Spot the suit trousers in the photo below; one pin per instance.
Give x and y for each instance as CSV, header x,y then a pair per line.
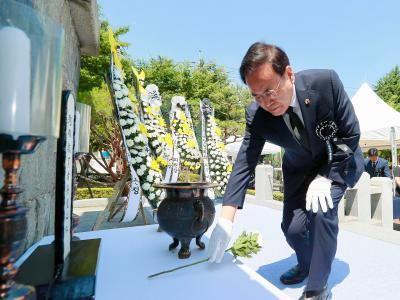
x,y
313,236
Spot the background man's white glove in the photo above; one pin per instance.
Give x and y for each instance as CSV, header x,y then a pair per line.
x,y
319,192
219,240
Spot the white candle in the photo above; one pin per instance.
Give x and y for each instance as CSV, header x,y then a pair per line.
x,y
15,81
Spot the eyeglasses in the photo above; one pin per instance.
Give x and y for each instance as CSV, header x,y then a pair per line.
x,y
269,93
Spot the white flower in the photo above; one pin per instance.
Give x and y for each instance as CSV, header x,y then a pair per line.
x,y
146,186
149,178
116,87
118,94
139,159
122,122
129,143
151,196
158,192
260,240
139,172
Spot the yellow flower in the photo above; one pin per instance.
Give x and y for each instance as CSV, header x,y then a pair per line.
x,y
168,140
161,122
143,129
149,111
221,146
229,168
155,166
186,163
162,161
186,128
191,143
217,131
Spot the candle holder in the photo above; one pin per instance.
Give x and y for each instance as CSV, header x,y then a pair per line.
x,y
12,216
31,51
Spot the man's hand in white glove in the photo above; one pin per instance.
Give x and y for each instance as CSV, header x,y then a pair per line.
x,y
219,240
319,192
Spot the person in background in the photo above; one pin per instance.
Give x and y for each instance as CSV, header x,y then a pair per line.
x,y
376,166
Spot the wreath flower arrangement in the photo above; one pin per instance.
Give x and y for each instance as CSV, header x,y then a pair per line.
x,y
186,140
136,135
160,141
220,167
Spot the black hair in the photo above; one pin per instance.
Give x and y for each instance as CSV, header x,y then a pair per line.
x,y
260,53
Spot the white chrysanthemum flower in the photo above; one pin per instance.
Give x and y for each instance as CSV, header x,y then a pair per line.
x,y
146,186
260,240
118,94
158,193
129,143
151,196
149,178
139,159
140,172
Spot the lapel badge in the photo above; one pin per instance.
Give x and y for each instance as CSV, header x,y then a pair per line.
x,y
307,101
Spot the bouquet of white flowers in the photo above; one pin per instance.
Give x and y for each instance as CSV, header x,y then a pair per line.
x,y
220,167
136,136
183,131
245,245
160,141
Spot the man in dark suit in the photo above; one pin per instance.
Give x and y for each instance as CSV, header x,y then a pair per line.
x,y
376,166
287,111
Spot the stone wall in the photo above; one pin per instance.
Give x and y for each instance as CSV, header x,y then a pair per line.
x,y
37,173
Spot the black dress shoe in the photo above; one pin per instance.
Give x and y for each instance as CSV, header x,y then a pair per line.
x,y
293,276
316,295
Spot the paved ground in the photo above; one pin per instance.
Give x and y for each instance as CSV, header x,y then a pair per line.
x,y
89,210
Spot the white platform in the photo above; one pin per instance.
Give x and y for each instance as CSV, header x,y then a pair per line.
x,y
129,255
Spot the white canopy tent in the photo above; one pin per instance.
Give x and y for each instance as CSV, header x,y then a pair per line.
x,y
378,120
232,149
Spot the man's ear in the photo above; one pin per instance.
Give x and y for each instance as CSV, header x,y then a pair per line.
x,y
290,73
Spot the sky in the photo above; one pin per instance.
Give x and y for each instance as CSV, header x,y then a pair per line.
x,y
360,40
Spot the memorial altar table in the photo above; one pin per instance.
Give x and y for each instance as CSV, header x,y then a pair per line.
x,y
128,255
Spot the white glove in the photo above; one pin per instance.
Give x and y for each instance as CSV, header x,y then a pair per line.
x,y
219,240
319,192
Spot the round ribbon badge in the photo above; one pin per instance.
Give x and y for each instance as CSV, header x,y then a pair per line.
x,y
326,131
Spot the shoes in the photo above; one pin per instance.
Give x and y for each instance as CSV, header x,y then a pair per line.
x,y
294,275
316,295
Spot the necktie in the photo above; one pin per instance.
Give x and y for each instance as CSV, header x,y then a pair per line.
x,y
298,127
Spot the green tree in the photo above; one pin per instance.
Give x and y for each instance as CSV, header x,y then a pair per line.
x,y
388,88
93,68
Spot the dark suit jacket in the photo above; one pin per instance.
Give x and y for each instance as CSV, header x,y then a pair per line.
x,y
328,101
381,169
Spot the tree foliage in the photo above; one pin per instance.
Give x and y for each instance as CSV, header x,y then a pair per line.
x,y
388,88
